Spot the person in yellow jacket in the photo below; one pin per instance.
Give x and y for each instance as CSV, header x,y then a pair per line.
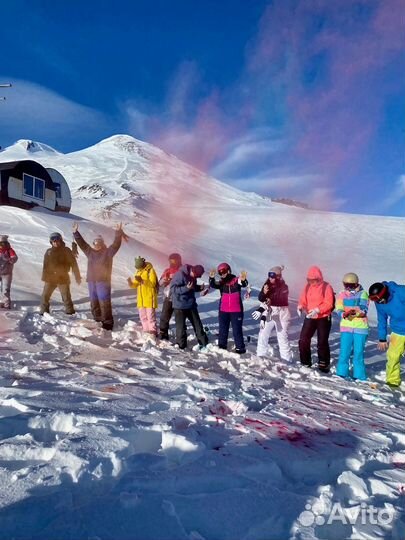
x,y
145,281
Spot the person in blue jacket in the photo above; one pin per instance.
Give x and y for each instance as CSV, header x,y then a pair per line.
x,y
99,269
182,289
389,298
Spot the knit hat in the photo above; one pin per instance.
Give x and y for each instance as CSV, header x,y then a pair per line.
x,y
98,240
4,238
139,262
277,269
54,236
198,270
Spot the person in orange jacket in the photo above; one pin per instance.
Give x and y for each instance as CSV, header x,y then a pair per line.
x,y
317,300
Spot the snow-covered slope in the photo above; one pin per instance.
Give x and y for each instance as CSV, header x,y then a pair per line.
x,y
170,206
106,437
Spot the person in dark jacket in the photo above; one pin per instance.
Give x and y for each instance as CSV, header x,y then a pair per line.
x,y
8,258
230,305
164,281
274,313
58,261
182,289
99,269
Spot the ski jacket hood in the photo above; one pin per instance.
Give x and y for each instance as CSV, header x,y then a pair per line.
x,y
314,272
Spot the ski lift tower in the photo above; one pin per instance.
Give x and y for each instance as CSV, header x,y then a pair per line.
x,y
6,85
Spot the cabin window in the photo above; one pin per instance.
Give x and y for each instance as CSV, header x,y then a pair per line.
x,y
34,187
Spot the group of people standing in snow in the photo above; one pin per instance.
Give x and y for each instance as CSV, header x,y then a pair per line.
x,y
317,302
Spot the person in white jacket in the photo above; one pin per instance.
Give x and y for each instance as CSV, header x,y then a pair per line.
x,y
274,313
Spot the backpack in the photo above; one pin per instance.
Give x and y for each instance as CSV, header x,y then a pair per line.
x,y
324,286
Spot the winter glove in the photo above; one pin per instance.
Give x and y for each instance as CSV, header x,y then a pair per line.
x,y
204,290
262,323
138,279
351,314
299,311
257,314
313,313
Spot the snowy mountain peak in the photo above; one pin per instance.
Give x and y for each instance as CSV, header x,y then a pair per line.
x,y
125,144
32,147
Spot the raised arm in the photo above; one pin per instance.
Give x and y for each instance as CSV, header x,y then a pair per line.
x,y
81,242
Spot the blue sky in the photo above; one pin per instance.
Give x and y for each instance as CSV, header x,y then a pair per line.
x,y
293,99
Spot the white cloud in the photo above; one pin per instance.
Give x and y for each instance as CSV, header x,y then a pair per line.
x,y
396,195
267,184
32,111
252,149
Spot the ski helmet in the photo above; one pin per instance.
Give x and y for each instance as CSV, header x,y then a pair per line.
x,y
378,292
223,268
198,270
350,280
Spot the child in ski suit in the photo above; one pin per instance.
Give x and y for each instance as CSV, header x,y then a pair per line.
x,y
230,305
389,298
317,300
274,313
164,281
352,305
8,258
146,283
99,269
182,289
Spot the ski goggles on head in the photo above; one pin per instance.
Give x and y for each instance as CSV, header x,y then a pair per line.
x,y
3,244
350,286
272,275
55,238
223,272
313,280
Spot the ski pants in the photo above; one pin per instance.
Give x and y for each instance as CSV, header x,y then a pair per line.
x,y
181,316
351,342
100,303
236,320
395,350
148,320
278,319
165,316
6,280
322,327
64,289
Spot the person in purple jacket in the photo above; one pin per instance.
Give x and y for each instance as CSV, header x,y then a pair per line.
x,y
230,305
99,269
